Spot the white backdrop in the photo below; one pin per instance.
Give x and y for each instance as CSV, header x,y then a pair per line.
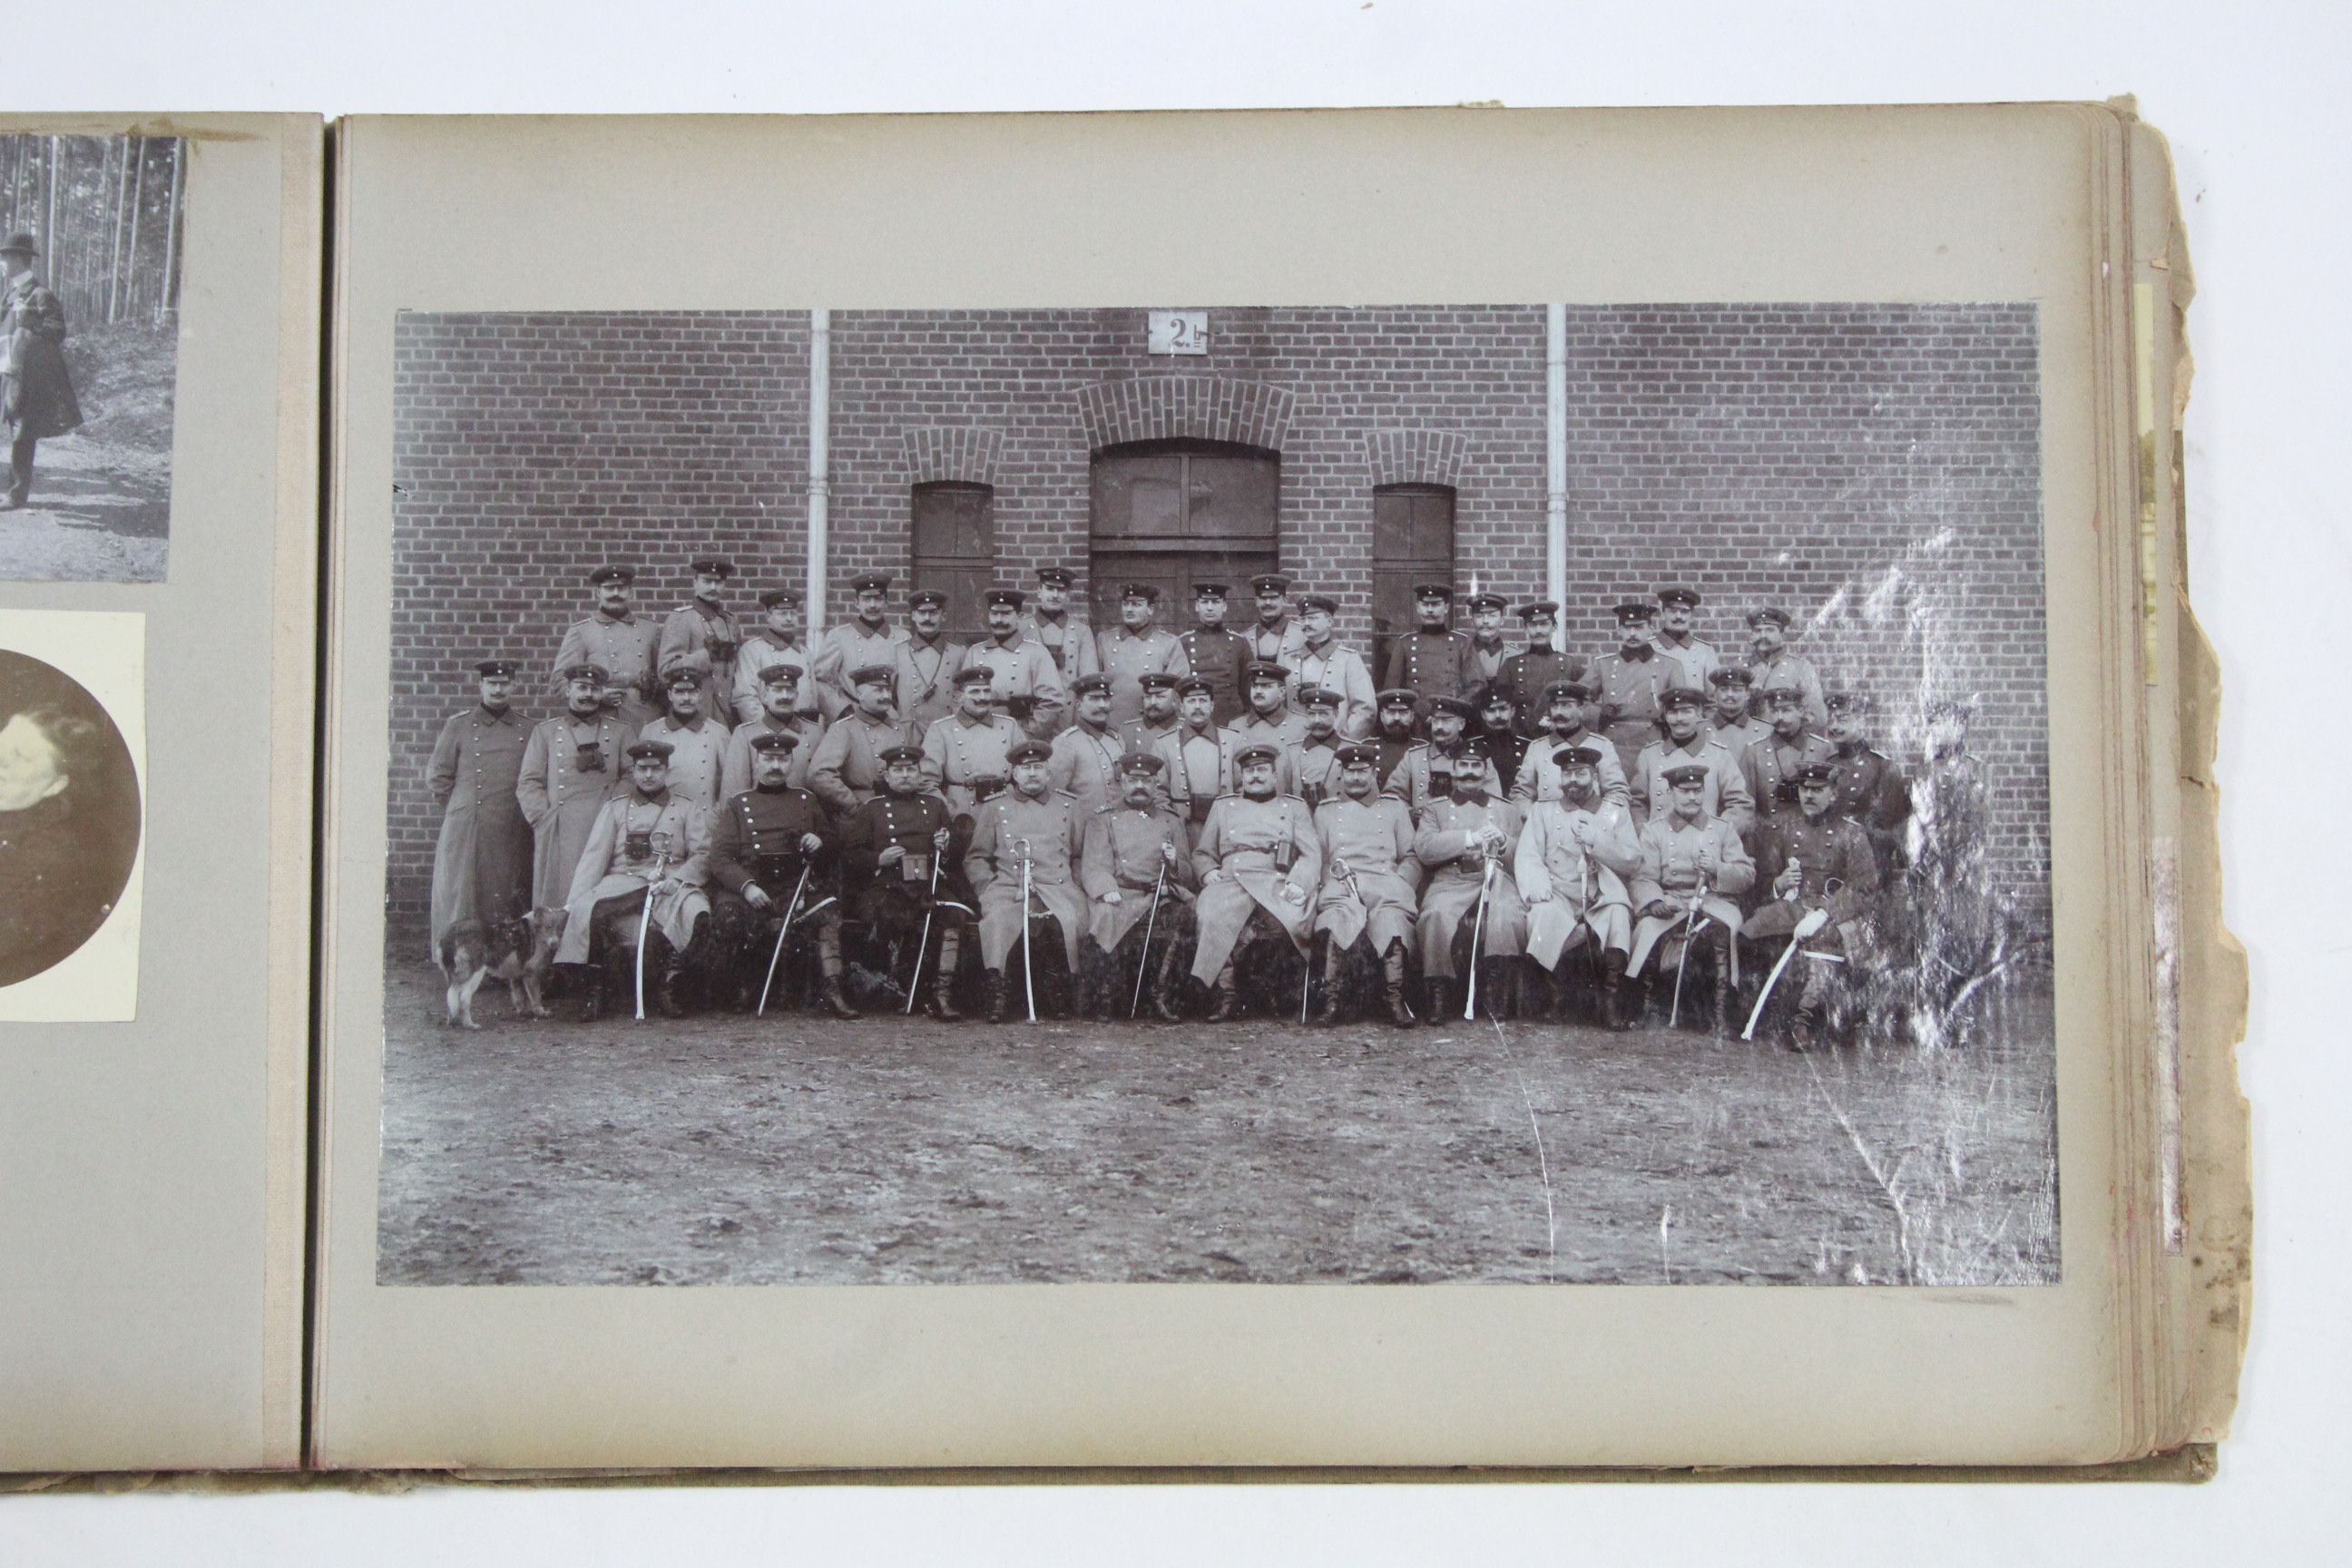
x,y
2251,95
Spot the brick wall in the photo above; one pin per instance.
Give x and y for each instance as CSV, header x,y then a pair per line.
x,y
1871,468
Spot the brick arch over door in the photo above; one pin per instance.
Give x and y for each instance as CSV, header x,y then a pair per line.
x,y
961,454
1416,456
1180,408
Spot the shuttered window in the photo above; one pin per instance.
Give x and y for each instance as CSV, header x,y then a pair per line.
x,y
955,550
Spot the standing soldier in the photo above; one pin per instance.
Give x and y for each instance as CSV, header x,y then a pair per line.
x,y
1575,857
1564,714
1696,659
777,640
847,767
37,394
1429,661
1484,658
619,642
1135,648
1028,687
1498,731
1693,868
646,844
769,842
1731,718
1816,859
1869,790
1068,641
481,868
1200,763
1627,684
1394,738
1156,733
1260,863
1771,763
779,686
1269,719
1275,637
926,661
1314,764
1037,829
967,756
865,639
1774,665
892,875
1686,740
1086,756
1529,672
702,637
697,746
1132,851
1326,663
1466,841
1449,749
572,763
1367,892
1215,654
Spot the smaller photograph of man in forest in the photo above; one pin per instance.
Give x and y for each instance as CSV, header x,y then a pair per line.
x,y
90,246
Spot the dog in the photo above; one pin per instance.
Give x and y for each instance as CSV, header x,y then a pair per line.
x,y
520,952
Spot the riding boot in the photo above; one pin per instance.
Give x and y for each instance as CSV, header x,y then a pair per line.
x,y
950,950
994,983
1095,969
663,993
833,1000
591,992
1725,1017
1220,997
1163,988
1441,1002
1328,1014
1801,1028
1616,1004
1392,985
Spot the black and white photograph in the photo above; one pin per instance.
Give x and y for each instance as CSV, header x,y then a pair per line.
x,y
90,235
70,814
1496,793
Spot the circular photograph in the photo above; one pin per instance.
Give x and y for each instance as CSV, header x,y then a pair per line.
x,y
68,817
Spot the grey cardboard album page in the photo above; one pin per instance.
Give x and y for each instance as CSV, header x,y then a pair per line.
x,y
159,332
1360,787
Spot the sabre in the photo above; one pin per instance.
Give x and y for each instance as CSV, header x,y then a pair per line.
x,y
1028,973
1806,927
1690,922
1143,959
644,923
782,931
1477,927
930,908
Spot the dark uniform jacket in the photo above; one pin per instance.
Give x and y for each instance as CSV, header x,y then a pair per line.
x,y
37,394
1525,675
1430,663
1872,794
1838,871
1217,657
756,837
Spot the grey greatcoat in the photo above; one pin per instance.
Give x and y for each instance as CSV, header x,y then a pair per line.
x,y
1254,855
37,394
482,866
560,796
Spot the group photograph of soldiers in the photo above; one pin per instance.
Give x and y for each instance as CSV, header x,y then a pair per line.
x,y
950,796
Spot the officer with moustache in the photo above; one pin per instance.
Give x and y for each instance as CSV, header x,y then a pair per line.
x,y
779,686
1036,827
697,746
703,637
1869,790
1771,765
1528,674
646,844
1629,685
1677,607
482,865
1686,740
1215,653
1135,648
571,765
967,755
1315,763
847,768
893,878
1259,862
1464,830
1449,744
1275,637
1367,896
1028,687
621,643
1730,717
767,843
777,640
1068,641
926,661
1399,722
1429,661
1774,665
1483,660
1692,869
1816,859
1131,850
1564,725
1199,754
862,642
1575,858
1498,730
1085,757
1324,663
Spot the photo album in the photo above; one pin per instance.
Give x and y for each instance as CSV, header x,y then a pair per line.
x,y
1405,788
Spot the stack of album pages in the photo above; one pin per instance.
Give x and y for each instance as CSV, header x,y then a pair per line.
x,y
1359,788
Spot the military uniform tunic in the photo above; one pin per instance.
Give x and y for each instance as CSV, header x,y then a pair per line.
x,y
1024,673
1067,642
481,867
1217,656
1341,669
1572,864
756,838
1626,690
1275,642
703,639
1121,853
1264,854
1724,794
926,684
1682,860
894,897
1538,776
1412,777
1697,660
698,756
764,648
1049,834
1871,794
1526,675
1202,770
1483,663
735,769
1449,899
560,797
957,750
1126,657
1368,870
623,649
1837,872
1770,766
853,646
1315,770
847,767
1785,669
1086,764
1430,664
676,838
1736,737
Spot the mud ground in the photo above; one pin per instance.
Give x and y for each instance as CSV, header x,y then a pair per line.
x,y
722,1150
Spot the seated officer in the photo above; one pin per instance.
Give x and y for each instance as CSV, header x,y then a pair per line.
x,y
646,844
1575,857
1693,868
768,847
1259,862
1466,839
1367,900
1023,865
1139,883
892,875
1814,861
1871,792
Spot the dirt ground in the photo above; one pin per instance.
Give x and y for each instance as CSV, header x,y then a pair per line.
x,y
101,497
721,1150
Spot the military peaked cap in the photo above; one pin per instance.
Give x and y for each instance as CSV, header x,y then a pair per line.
x,y
778,673
1028,752
771,598
1142,762
774,741
712,566
503,666
1781,619
1681,697
1192,683
1012,596
1270,583
873,675
1784,697
1688,772
678,676
1453,705
1058,576
1635,610
1588,756
1143,591
1687,598
624,576
975,675
1489,602
1816,773
1317,697
1399,697
1529,611
1264,669
1209,590
1158,681
1731,675
1846,702
658,750
1323,601
1256,751
1086,683
870,583
596,672
1355,754
901,753
1559,688
922,596
1434,591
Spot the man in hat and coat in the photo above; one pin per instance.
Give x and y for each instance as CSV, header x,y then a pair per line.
x,y
1132,853
1028,687
1451,744
1275,635
1771,765
1214,652
1677,607
1564,725
1483,658
1816,860
847,768
1576,857
37,393
927,660
1871,790
1135,648
1086,756
703,637
1629,685
1686,740
646,844
1466,838
1068,641
967,756
1324,663
1529,673
894,871
1693,868
621,643
1260,863
696,742
481,867
571,765
777,640
1368,895
864,640
1731,715
1036,827
768,843
1429,659
781,712
1773,666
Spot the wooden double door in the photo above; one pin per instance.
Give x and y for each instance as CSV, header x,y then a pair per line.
x,y
1178,513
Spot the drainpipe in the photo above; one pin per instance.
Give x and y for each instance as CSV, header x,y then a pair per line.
x,y
820,465
1556,457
